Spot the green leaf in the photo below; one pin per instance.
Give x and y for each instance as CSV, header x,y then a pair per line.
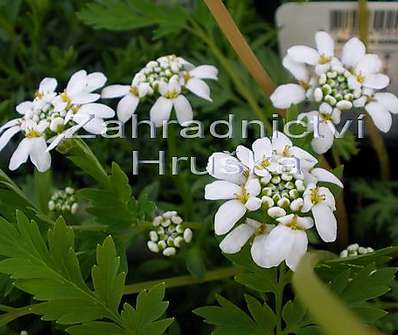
x,y
43,187
123,15
194,262
51,273
229,319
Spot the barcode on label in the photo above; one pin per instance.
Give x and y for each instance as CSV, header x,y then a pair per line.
x,y
380,21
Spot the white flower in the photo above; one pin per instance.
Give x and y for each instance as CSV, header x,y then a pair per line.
x,y
168,76
320,201
193,80
241,198
286,242
238,237
324,120
334,85
379,106
46,92
226,167
33,146
79,90
170,97
131,96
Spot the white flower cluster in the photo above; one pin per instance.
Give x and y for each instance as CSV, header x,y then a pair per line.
x,y
168,234
63,201
355,250
52,116
279,182
335,85
166,78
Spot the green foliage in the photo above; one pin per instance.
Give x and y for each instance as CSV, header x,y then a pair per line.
x,y
51,273
122,15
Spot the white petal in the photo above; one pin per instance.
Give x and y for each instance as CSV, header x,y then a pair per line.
x,y
24,107
280,142
48,85
298,250
160,111
205,72
388,100
286,95
303,54
253,204
226,167
305,222
227,215
352,52
298,70
95,81
262,148
98,110
183,109
278,245
77,83
237,238
115,91
377,81
85,98
65,135
325,140
258,250
370,63
329,198
245,155
221,190
325,222
253,187
285,220
380,116
324,43
200,88
126,107
9,124
326,176
39,155
95,126
7,135
20,155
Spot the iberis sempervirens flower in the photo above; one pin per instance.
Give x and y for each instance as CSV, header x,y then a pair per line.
x,y
64,202
166,79
53,116
279,183
334,85
168,234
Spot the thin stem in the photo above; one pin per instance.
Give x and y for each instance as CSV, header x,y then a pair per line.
x,y
185,194
179,281
240,45
243,90
375,137
279,297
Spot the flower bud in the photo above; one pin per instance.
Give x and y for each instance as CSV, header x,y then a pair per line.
x,y
267,201
170,251
152,246
153,236
318,95
297,204
188,235
276,212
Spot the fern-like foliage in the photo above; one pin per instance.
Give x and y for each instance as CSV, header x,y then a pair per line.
x,y
50,272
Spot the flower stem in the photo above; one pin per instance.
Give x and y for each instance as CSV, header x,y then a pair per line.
x,y
240,45
179,281
375,137
279,297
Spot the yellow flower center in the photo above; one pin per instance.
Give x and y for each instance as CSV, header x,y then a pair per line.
x,y
316,196
324,59
285,151
243,196
360,78
293,224
75,109
134,91
39,95
31,133
326,117
171,94
261,230
304,84
65,98
263,164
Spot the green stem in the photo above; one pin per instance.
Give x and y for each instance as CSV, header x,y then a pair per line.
x,y
179,281
244,90
185,194
279,297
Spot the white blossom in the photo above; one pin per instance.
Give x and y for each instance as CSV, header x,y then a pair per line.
x,y
335,85
167,79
